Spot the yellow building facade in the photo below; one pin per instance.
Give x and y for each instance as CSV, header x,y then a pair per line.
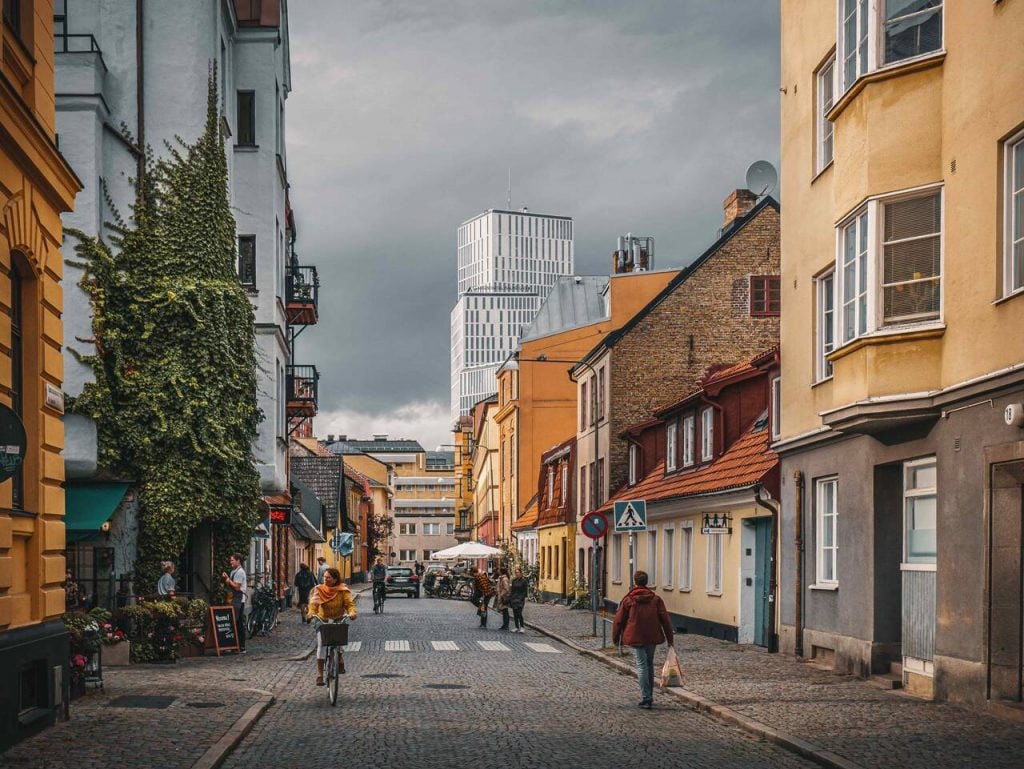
x,y
36,186
902,375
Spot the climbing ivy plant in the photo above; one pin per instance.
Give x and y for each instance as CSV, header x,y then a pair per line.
x,y
174,397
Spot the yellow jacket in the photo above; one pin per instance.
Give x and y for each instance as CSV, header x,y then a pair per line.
x,y
335,608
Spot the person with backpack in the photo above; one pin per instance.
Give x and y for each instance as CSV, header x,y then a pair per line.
x,y
304,582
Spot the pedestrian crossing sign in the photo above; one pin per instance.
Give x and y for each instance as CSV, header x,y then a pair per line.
x,y
631,515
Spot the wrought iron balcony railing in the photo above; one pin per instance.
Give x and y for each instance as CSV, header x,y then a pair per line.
x,y
303,383
303,292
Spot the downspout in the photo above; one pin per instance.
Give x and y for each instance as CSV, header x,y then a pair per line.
x,y
798,521
140,100
773,579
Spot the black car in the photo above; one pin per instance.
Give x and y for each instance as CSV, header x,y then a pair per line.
x,y
402,579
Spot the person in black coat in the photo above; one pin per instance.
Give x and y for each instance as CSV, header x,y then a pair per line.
x,y
517,599
304,581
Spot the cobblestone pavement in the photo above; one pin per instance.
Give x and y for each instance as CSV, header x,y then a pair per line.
x,y
449,702
843,714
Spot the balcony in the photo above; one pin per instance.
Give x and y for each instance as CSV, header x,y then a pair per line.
x,y
303,382
303,291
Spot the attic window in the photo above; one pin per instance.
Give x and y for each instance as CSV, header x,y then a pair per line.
x,y
765,295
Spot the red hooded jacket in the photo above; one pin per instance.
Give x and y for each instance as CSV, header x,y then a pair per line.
x,y
642,619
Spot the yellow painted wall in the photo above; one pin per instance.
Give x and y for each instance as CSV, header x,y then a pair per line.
x,y
902,129
556,545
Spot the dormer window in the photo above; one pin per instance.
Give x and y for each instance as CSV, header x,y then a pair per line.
x,y
707,434
689,439
634,462
670,445
551,484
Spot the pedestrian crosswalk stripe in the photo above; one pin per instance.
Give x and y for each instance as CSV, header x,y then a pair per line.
x,y
352,646
396,646
444,646
546,648
493,646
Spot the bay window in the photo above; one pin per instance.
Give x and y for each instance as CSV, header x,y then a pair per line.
x,y
1013,268
826,98
826,336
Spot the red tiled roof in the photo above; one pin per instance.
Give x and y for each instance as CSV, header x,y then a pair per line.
x,y
746,462
273,500
528,519
355,475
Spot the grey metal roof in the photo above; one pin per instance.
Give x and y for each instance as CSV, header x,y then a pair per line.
x,y
375,447
440,458
574,301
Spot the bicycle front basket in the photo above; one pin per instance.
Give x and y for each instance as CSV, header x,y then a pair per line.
x,y
334,634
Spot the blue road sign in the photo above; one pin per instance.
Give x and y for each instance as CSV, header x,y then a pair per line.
x,y
594,525
343,543
631,515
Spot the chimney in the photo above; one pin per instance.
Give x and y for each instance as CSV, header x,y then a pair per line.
x,y
330,438
342,437
380,436
738,204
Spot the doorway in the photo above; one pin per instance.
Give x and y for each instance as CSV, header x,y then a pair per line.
x,y
1006,582
762,579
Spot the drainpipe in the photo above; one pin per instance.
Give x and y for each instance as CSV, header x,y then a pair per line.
x,y
773,641
798,520
140,99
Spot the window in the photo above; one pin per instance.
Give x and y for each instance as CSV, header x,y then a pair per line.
x,y
686,556
912,259
919,511
600,394
765,295
17,389
667,561
247,260
593,485
854,268
1013,279
432,529
689,437
565,482
407,528
826,336
427,554
12,15
707,434
593,400
583,406
876,34
826,98
671,430
449,529
583,490
634,460
616,558
776,416
551,484
652,557
827,516
714,570
406,555
246,118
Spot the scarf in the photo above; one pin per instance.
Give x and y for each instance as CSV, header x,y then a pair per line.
x,y
326,593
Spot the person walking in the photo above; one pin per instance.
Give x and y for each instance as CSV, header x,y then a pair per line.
x,y
304,582
237,583
642,622
166,585
518,589
482,592
321,567
501,595
330,600
419,568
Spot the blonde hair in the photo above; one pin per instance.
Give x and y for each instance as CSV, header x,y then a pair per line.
x,y
167,565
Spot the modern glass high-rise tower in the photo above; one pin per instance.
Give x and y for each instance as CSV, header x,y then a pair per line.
x,y
508,261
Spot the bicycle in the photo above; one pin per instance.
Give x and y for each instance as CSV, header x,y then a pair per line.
x,y
333,635
264,615
380,594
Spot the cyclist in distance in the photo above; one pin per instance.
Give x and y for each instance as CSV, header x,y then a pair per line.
x,y
378,574
330,600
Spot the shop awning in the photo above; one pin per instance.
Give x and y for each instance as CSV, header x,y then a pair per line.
x,y
89,505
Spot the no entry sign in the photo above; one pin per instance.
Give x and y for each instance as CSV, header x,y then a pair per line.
x,y
594,525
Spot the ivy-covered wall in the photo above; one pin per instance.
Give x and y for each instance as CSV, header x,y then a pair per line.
x,y
174,397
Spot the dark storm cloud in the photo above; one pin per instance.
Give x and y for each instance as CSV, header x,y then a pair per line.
x,y
405,116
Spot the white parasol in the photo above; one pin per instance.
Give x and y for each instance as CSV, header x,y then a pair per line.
x,y
467,550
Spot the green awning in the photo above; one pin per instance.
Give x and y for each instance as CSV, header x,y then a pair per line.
x,y
87,506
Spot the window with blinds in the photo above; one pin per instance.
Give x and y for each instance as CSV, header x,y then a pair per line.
x,y
912,259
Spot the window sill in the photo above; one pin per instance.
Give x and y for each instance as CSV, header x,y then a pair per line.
x,y
685,589
823,380
821,171
1012,295
918,567
616,581
896,69
247,148
828,588
889,335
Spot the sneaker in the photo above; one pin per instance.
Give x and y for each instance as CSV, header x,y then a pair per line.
x,y
646,704
319,680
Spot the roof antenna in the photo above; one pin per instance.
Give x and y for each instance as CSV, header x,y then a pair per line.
x,y
510,188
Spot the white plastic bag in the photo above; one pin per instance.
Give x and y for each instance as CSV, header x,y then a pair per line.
x,y
671,672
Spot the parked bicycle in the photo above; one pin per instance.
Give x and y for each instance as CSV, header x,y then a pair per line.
x,y
264,613
333,635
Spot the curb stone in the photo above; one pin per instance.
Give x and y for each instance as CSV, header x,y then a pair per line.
x,y
218,752
790,742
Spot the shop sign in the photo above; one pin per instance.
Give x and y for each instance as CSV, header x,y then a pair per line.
x,y
717,523
12,442
280,516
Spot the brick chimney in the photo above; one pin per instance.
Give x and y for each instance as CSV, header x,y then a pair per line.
x,y
739,203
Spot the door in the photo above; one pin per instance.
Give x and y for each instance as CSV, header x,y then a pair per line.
x,y
762,579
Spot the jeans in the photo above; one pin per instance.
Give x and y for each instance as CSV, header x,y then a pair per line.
x,y
517,615
482,603
645,670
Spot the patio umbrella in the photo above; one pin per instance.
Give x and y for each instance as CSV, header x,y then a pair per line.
x,y
467,550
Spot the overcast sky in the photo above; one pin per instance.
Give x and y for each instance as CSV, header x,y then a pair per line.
x,y
405,116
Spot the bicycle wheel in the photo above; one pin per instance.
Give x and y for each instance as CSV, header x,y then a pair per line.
x,y
274,618
333,671
250,622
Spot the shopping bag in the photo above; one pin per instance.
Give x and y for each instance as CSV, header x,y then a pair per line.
x,y
671,672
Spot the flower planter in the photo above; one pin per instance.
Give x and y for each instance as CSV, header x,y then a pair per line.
x,y
117,655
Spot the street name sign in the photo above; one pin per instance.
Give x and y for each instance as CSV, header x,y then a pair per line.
x,y
630,515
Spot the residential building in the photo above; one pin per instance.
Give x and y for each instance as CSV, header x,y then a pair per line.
x,y
902,374
36,186
316,470
484,521
711,485
462,433
556,522
507,263
524,532
724,306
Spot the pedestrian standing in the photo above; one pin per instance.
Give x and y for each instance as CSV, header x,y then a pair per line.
x,y
321,567
237,583
482,592
517,599
72,592
501,595
304,582
419,569
166,586
642,622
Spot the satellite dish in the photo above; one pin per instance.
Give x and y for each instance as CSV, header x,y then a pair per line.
x,y
761,178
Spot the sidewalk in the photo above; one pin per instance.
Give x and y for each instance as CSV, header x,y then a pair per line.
x,y
842,715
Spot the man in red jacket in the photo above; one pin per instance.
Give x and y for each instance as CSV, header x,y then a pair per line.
x,y
642,622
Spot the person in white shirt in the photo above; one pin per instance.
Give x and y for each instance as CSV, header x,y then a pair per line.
x,y
166,585
237,583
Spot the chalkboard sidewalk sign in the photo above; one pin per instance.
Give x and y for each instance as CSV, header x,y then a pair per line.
x,y
225,632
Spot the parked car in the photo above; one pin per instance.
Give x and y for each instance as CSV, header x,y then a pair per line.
x,y
402,579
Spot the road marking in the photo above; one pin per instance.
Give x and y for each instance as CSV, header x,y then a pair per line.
x,y
396,646
352,646
493,646
444,646
546,648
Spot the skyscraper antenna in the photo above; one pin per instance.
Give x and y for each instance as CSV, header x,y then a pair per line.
x,y
510,188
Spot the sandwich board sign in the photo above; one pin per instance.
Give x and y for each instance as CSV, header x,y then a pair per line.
x,y
630,515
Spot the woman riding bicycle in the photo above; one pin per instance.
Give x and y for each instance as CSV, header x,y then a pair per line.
x,y
331,600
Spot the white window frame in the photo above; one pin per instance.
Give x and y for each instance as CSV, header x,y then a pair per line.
x,y
617,558
825,288
634,458
776,415
826,97
1013,283
715,567
911,493
689,438
565,481
551,484
826,519
668,560
869,18
671,433
407,529
707,434
686,556
428,529
867,267
652,557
